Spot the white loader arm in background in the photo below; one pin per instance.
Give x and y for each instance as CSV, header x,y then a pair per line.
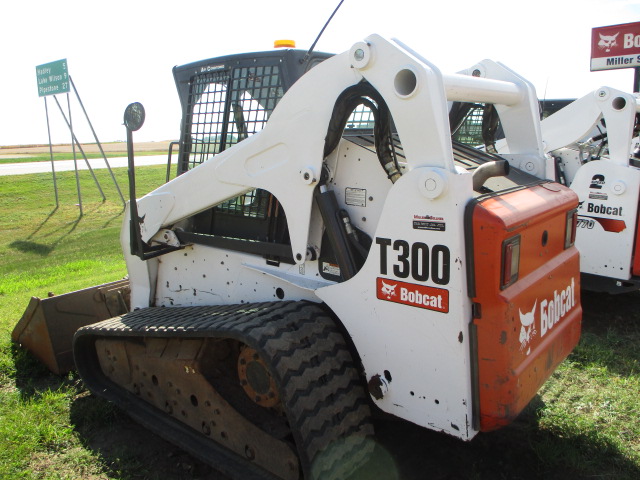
x,y
577,121
520,120
591,143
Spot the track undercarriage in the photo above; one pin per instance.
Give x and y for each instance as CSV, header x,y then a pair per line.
x,y
257,390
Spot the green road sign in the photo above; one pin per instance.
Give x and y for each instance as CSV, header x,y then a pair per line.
x,y
53,78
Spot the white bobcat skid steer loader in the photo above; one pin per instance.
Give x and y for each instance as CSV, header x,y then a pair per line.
x,y
592,146
341,253
594,142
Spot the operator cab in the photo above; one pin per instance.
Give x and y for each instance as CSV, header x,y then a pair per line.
x,y
224,100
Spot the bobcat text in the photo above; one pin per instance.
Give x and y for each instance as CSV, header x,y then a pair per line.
x,y
554,309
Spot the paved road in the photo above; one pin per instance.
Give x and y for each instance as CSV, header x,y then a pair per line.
x,y
67,165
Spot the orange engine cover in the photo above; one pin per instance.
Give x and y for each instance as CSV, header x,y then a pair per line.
x,y
523,331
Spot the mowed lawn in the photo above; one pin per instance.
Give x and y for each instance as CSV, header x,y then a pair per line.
x,y
585,423
47,249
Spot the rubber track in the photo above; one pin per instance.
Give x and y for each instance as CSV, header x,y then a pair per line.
x,y
319,384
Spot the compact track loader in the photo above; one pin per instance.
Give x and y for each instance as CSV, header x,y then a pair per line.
x,y
326,252
594,145
591,145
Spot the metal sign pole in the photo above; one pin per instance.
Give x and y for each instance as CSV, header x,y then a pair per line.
x,y
53,168
75,160
86,160
54,78
98,142
636,80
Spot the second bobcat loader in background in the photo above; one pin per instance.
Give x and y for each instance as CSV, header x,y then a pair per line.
x,y
326,250
592,146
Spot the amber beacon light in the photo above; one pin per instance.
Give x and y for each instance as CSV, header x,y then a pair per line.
x,y
284,44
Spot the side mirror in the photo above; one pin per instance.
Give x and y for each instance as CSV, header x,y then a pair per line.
x,y
134,116
133,120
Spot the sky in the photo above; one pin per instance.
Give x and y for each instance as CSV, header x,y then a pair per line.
x,y
120,52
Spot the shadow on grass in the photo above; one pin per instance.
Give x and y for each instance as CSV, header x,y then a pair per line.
x,y
43,223
126,449
610,332
33,378
522,450
403,452
29,246
88,210
118,216
62,231
65,229
602,311
32,247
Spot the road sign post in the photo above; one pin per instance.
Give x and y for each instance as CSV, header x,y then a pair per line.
x,y
53,168
53,78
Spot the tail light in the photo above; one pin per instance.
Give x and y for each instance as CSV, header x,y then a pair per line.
x,y
510,261
570,228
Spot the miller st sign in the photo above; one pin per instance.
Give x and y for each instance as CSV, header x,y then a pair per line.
x,y
615,46
53,78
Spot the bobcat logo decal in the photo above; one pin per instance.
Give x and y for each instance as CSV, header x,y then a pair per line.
x,y
607,42
528,328
388,290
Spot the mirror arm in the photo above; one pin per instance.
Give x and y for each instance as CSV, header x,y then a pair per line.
x,y
133,119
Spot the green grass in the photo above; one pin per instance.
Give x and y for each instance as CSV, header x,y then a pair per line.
x,y
593,398
44,249
585,422
46,157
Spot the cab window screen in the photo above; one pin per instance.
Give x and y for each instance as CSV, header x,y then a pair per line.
x,y
225,107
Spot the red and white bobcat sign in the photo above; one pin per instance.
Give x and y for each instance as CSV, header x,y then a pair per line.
x,y
615,46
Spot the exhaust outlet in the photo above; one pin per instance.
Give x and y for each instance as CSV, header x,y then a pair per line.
x,y
498,168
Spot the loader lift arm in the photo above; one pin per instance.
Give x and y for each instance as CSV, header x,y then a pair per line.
x,y
291,169
577,121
